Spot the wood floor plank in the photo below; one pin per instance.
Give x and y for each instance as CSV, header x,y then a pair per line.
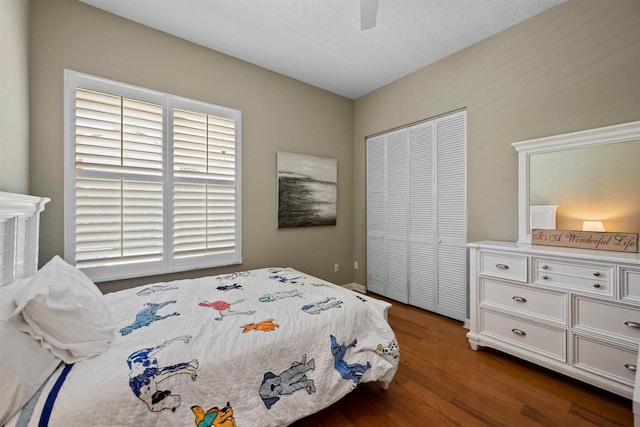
x,y
441,381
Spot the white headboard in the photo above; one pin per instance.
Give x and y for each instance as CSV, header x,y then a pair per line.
x,y
19,227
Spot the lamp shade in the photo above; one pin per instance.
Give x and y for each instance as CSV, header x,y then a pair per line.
x,y
592,226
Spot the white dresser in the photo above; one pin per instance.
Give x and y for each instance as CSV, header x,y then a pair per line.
x,y
574,311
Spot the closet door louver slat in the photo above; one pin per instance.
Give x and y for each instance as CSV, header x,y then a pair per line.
x,y
376,202
451,215
397,218
416,215
422,292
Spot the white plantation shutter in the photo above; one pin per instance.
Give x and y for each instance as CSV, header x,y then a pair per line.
x,y
204,219
117,134
204,145
117,221
152,183
204,190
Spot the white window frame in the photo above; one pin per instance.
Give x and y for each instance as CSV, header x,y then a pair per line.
x,y
168,264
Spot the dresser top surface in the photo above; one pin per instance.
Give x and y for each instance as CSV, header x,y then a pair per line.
x,y
588,254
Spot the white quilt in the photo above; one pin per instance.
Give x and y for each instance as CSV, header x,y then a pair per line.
x,y
257,348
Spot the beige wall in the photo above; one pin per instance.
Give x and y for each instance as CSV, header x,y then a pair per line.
x,y
570,68
278,113
573,67
14,96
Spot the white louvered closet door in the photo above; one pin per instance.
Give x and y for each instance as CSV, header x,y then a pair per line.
x,y
422,289
397,219
376,207
451,215
417,216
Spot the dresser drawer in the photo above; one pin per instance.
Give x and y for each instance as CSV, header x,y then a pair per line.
x,y
630,284
596,279
590,271
513,267
526,300
607,318
615,363
540,339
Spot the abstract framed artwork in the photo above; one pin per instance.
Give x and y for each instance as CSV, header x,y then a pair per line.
x,y
307,190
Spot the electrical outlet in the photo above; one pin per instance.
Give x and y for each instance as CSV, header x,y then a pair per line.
x,y
336,267
355,265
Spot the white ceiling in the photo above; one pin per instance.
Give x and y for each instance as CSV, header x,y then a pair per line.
x,y
320,42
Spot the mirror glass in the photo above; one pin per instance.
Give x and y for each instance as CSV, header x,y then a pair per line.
x,y
592,183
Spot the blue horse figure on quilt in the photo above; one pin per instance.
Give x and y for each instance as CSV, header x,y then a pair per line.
x,y
348,371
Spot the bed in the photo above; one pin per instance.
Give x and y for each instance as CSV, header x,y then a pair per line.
x,y
260,347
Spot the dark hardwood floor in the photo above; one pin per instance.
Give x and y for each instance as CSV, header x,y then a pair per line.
x,y
442,382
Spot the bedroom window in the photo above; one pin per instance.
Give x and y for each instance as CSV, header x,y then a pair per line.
x,y
152,181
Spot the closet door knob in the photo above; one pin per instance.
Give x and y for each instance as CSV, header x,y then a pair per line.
x,y
502,266
519,332
632,324
519,299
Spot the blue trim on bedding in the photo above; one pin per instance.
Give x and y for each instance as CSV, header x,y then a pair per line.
x,y
53,394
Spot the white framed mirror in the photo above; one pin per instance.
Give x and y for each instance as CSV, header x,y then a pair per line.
x,y
584,176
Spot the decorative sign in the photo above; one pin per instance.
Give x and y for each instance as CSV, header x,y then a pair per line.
x,y
603,241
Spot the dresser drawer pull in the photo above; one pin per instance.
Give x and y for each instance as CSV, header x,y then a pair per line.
x,y
545,277
502,266
518,332
520,299
632,324
545,266
596,285
597,273
630,367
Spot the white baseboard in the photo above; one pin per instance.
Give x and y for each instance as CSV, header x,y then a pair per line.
x,y
363,290
356,287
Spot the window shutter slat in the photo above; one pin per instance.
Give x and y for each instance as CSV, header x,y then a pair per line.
x,y
190,144
142,136
204,146
120,220
114,132
204,219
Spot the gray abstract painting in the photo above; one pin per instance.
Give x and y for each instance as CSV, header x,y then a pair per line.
x,y
307,190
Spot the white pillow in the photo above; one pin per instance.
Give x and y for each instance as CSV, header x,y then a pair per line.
x,y
24,364
64,310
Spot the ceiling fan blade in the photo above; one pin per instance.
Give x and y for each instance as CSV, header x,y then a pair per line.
x,y
368,14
